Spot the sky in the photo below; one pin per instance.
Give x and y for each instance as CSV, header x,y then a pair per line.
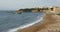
x,y
18,4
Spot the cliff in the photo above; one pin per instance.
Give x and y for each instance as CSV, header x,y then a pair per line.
x,y
43,9
31,10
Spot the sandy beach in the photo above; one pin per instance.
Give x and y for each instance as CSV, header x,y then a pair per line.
x,y
50,24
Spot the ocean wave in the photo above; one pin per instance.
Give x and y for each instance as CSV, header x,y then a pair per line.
x,y
25,26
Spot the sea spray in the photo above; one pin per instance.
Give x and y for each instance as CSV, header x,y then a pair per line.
x,y
25,26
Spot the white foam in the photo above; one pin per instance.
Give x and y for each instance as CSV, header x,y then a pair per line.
x,y
22,27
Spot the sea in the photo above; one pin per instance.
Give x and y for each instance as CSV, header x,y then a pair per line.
x,y
10,21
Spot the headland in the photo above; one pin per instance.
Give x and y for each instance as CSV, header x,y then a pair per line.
x,y
38,9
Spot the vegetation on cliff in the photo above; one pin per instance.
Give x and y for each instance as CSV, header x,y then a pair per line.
x,y
31,10
38,9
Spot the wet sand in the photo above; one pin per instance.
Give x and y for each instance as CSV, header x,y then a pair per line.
x,y
49,25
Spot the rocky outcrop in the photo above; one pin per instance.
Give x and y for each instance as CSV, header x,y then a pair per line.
x,y
32,10
43,9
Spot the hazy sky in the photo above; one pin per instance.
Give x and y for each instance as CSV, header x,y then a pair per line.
x,y
17,4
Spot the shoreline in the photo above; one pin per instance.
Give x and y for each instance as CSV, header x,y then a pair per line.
x,y
25,26
50,25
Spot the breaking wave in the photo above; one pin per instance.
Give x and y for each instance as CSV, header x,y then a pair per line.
x,y
25,26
